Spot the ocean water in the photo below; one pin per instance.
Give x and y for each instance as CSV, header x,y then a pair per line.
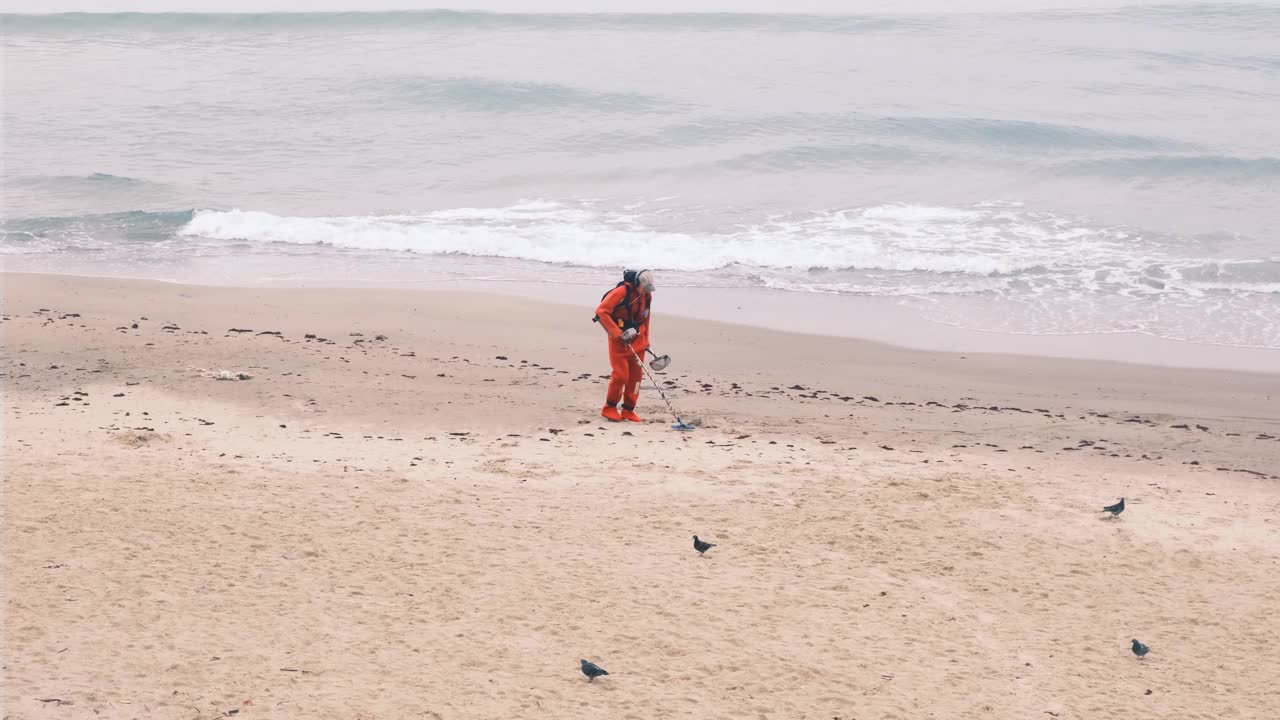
x,y
1073,171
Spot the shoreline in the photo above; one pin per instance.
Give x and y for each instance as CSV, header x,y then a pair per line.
x,y
873,319
885,321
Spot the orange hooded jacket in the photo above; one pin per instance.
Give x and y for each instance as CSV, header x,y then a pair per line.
x,y
616,313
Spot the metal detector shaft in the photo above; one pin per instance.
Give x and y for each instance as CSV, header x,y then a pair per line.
x,y
680,424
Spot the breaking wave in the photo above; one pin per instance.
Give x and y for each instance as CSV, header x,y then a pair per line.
x,y
898,238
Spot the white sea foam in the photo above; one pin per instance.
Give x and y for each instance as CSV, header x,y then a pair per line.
x,y
897,238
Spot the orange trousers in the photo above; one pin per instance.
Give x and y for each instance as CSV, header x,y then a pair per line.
x,y
624,383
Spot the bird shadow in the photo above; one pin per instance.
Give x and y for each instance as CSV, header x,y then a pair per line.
x,y
600,685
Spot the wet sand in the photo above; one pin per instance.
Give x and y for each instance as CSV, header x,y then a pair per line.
x,y
886,320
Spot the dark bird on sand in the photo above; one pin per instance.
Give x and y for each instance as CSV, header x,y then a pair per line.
x,y
701,546
592,670
1116,509
1139,649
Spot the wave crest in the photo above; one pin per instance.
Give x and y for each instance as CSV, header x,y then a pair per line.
x,y
485,95
1215,167
895,238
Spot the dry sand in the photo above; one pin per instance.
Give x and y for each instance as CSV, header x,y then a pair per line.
x,y
429,520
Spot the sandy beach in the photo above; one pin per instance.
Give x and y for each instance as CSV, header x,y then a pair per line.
x,y
409,508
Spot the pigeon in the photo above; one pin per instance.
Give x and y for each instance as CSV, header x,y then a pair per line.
x,y
1139,649
593,671
1116,509
701,546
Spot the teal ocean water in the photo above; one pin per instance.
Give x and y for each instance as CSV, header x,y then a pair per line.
x,y
1036,172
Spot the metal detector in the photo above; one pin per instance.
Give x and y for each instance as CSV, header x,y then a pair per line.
x,y
660,362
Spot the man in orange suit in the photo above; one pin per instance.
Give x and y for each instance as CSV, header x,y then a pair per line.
x,y
624,315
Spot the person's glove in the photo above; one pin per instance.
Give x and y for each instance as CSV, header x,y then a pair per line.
x,y
629,334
